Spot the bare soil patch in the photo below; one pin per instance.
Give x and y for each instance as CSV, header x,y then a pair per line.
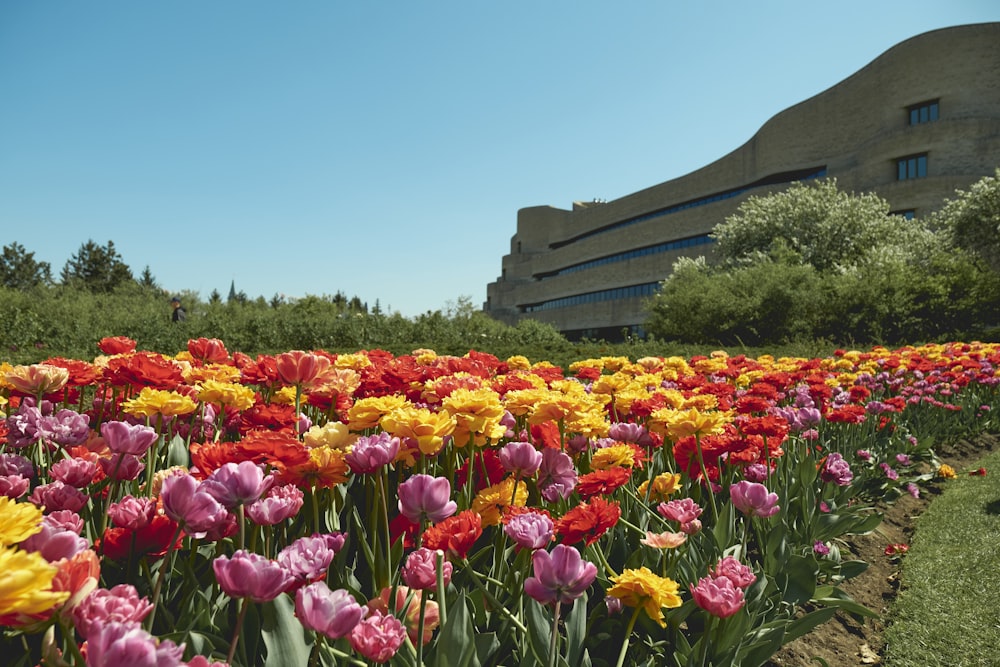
x,y
844,641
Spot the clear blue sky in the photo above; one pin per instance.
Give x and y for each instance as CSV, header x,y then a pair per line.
x,y
383,148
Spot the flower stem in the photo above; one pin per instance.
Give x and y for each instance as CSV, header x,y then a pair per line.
x,y
492,600
706,480
164,566
554,645
244,604
628,635
442,602
420,630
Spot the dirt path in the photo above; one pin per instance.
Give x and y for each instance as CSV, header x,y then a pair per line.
x,y
843,641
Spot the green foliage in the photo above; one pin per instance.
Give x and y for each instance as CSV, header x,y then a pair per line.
x,y
68,321
817,223
815,263
973,220
96,268
769,302
19,270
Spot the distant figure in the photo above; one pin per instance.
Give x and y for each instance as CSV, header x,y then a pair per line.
x,y
179,314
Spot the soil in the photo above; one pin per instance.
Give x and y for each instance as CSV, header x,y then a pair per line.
x,y
844,641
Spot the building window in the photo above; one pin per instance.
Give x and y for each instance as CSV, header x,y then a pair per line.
x,y
925,112
912,166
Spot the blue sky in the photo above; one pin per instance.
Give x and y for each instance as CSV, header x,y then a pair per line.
x,y
382,149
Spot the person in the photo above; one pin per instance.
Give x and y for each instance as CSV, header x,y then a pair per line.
x,y
179,314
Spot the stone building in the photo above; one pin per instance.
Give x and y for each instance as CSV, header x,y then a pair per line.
x,y
917,123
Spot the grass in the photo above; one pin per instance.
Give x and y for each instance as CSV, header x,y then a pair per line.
x,y
946,613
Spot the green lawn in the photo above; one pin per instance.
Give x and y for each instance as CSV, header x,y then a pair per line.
x,y
947,612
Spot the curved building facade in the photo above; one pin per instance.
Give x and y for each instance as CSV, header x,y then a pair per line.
x,y
917,123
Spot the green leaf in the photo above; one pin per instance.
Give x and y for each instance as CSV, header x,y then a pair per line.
x,y
539,632
455,645
807,623
852,568
848,605
576,631
725,530
798,579
283,635
759,651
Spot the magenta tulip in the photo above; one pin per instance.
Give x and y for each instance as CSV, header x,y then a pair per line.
x,y
250,575
331,613
426,498
560,576
754,499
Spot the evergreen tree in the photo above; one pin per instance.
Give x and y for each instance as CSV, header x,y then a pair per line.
x,y
147,280
96,268
19,270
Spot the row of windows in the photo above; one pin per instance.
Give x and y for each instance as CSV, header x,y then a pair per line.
x,y
911,166
632,254
925,112
818,172
630,292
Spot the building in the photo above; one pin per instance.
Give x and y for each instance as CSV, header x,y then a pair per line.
x,y
917,123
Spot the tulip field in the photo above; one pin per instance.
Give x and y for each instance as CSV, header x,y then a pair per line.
x,y
308,508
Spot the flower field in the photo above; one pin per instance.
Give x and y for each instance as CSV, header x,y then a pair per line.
x,y
309,508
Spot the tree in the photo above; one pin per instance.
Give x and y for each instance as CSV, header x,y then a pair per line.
x,y
147,280
96,268
19,270
813,262
973,220
827,228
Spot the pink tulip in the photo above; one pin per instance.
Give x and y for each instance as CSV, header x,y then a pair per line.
x,y
278,504
420,569
684,511
836,470
120,604
331,613
369,453
234,484
125,645
58,496
718,596
738,573
520,458
426,498
308,558
753,499
13,486
530,530
561,576
250,575
378,637
124,438
196,510
74,472
410,611
132,513
121,467
59,538
15,464
556,475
